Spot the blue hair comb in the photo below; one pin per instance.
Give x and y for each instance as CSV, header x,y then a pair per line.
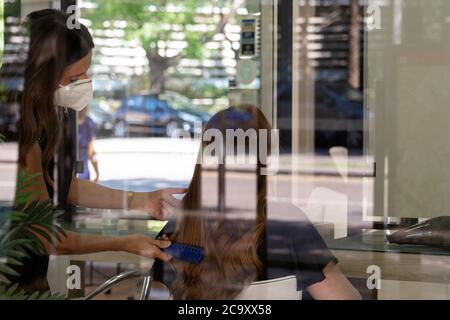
x,y
186,253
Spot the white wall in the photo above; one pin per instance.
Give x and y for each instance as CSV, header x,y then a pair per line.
x,y
409,93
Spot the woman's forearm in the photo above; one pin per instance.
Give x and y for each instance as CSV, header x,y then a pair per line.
x,y
92,195
159,204
335,286
76,243
137,244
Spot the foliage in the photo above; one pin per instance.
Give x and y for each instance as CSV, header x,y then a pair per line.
x,y
13,293
154,23
19,231
159,23
198,90
27,220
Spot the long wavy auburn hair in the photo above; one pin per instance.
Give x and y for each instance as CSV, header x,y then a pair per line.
x,y
231,259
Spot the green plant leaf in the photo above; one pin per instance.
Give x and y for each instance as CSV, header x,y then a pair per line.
x,y
33,296
28,222
4,269
44,296
12,289
18,254
22,198
14,293
13,261
4,279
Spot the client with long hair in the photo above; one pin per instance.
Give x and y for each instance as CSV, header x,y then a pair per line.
x,y
232,245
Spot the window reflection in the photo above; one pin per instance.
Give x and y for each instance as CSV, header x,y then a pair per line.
x,y
351,97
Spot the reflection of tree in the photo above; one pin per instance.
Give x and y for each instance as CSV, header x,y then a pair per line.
x,y
334,15
354,69
156,24
331,35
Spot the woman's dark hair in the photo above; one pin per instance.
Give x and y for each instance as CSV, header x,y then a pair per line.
x,y
53,46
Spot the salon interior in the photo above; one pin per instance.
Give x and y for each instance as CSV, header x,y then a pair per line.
x,y
354,95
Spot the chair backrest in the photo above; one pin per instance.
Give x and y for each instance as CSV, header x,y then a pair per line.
x,y
284,288
277,289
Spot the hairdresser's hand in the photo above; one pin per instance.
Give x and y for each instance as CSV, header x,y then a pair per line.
x,y
144,246
159,204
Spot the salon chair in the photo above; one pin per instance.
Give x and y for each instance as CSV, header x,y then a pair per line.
x,y
115,280
284,288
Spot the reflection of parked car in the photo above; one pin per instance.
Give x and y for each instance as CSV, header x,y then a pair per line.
x,y
10,96
338,117
149,115
184,104
102,117
9,116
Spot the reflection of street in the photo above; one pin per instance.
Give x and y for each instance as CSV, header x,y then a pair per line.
x,y
145,164
146,158
8,167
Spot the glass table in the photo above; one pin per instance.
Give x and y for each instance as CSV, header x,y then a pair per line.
x,y
376,241
106,223
406,271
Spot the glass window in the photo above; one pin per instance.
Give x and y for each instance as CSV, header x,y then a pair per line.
x,y
270,140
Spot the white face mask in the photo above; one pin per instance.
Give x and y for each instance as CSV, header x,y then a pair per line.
x,y
76,95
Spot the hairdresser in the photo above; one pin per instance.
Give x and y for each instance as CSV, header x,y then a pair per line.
x,y
56,79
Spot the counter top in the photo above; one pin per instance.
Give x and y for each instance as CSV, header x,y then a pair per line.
x,y
375,241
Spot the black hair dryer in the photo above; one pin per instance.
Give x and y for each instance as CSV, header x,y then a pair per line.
x,y
433,232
